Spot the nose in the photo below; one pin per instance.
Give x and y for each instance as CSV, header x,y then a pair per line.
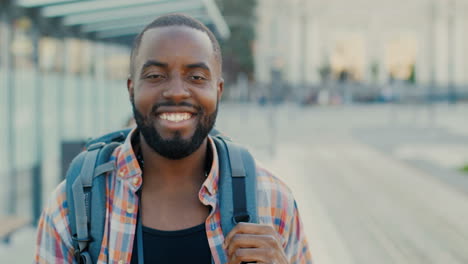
x,y
176,90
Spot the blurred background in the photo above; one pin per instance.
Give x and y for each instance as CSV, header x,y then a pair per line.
x,y
360,106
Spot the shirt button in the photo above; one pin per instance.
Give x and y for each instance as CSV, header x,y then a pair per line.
x,y
136,181
131,209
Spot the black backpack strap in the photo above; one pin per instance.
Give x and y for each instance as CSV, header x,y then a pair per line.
x,y
237,185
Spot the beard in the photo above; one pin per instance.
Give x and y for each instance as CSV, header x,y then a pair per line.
x,y
176,147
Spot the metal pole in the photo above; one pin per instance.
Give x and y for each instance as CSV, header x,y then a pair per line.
x,y
79,86
96,88
10,120
105,101
276,82
109,106
61,88
3,110
304,53
452,93
102,88
39,115
432,49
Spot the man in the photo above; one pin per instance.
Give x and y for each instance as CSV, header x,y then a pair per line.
x,y
167,169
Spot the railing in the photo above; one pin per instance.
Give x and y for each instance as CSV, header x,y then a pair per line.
x,y
347,93
396,93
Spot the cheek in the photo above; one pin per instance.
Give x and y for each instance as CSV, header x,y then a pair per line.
x,y
145,99
208,99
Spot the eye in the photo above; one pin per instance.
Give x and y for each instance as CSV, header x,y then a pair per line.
x,y
197,77
154,76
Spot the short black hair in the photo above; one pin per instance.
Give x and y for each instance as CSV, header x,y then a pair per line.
x,y
175,19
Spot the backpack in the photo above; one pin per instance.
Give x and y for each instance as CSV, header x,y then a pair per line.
x,y
86,190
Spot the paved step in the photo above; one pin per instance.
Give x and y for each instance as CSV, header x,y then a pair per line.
x,y
21,247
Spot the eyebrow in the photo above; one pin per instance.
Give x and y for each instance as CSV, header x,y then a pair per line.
x,y
198,65
153,63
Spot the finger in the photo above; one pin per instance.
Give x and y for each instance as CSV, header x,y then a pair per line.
x,y
252,241
249,228
258,255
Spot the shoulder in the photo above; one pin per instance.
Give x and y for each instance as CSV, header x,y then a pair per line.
x,y
55,215
57,203
275,199
270,183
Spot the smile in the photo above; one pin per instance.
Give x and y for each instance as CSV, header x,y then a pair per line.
x,y
175,117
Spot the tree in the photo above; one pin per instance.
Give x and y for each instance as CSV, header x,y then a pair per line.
x,y
237,50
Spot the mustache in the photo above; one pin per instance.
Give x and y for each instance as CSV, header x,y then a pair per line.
x,y
155,107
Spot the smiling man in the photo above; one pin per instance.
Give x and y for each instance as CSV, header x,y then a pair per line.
x,y
167,169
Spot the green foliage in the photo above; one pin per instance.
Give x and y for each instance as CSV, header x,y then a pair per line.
x,y
325,72
374,71
237,50
412,77
465,168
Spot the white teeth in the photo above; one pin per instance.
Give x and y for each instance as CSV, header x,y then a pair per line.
x,y
175,117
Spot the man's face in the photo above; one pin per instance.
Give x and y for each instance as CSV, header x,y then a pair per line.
x,y
175,89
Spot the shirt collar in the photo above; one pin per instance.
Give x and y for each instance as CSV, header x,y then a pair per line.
x,y
128,167
211,182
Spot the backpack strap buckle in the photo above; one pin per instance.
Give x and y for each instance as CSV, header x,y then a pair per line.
x,y
241,218
87,239
82,257
81,254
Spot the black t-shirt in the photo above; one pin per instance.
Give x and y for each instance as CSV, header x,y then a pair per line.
x,y
182,246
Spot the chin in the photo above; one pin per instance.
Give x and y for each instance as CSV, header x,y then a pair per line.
x,y
176,135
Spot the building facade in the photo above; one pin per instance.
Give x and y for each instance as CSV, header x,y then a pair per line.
x,y
362,40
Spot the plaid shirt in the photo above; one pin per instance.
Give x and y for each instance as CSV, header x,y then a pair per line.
x,y
276,207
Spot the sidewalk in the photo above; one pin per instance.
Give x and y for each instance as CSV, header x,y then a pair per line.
x,y
21,247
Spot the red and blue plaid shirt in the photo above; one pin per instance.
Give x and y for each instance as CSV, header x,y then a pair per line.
x,y
276,207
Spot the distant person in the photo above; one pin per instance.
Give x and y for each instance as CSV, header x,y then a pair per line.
x,y
343,76
167,170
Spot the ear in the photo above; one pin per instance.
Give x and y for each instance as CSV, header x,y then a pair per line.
x,y
220,88
130,87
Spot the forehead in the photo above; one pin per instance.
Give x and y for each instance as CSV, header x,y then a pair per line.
x,y
170,43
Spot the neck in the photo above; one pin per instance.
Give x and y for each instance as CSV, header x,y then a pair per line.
x,y
163,174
